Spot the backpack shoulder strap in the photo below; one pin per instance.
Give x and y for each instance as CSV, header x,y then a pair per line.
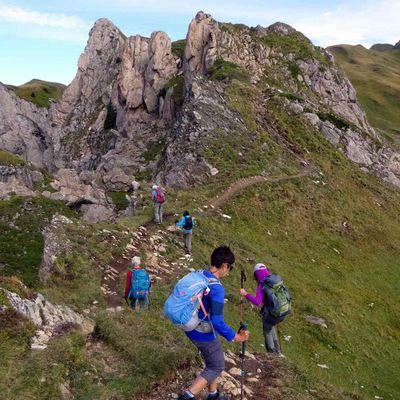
x,y
211,281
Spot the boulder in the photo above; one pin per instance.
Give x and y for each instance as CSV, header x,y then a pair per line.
x,y
95,213
117,181
49,319
17,180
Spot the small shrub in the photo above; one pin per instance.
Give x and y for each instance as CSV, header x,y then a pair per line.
x,y
336,120
177,83
13,284
294,69
178,48
291,96
226,70
7,158
119,200
153,150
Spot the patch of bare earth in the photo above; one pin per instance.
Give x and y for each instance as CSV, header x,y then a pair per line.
x,y
263,379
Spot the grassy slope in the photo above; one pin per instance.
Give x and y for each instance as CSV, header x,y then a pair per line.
x,y
376,77
39,92
334,272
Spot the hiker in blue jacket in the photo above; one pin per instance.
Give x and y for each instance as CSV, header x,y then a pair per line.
x,y
205,336
187,222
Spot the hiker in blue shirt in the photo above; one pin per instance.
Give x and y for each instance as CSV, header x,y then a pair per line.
x,y
205,335
187,222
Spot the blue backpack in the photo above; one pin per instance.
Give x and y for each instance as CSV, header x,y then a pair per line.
x,y
140,284
183,304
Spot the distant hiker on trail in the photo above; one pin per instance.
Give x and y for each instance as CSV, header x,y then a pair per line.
x,y
187,222
158,195
276,304
137,286
209,321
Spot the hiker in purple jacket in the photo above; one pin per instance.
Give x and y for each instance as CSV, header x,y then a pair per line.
x,y
261,273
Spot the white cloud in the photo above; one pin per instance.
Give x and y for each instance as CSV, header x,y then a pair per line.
x,y
355,22
20,15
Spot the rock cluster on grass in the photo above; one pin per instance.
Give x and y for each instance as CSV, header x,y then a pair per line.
x,y
50,320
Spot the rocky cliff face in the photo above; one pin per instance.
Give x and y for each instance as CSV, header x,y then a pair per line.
x,y
280,59
25,129
110,112
136,108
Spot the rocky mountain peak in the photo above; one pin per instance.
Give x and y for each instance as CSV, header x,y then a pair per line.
x,y
397,45
135,106
281,28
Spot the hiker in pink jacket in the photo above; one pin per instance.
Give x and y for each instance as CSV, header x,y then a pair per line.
x,y
261,273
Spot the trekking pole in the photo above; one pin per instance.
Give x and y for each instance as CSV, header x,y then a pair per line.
x,y
243,326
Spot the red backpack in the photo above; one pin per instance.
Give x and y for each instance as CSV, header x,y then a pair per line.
x,y
160,195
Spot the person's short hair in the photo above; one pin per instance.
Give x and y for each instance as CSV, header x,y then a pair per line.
x,y
186,213
135,261
221,255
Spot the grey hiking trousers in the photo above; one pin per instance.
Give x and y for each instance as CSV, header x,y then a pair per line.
x,y
213,355
271,333
187,239
158,212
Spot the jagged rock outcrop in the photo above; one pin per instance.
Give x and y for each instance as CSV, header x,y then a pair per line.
x,y
325,88
56,244
114,100
205,113
25,129
18,180
361,149
201,47
50,320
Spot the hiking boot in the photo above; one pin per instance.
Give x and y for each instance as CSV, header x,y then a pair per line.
x,y
217,396
185,396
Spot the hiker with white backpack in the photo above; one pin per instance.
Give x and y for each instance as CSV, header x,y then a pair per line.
x,y
137,286
196,306
158,196
274,297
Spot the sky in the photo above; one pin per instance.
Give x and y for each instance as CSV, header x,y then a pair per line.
x,y
43,39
